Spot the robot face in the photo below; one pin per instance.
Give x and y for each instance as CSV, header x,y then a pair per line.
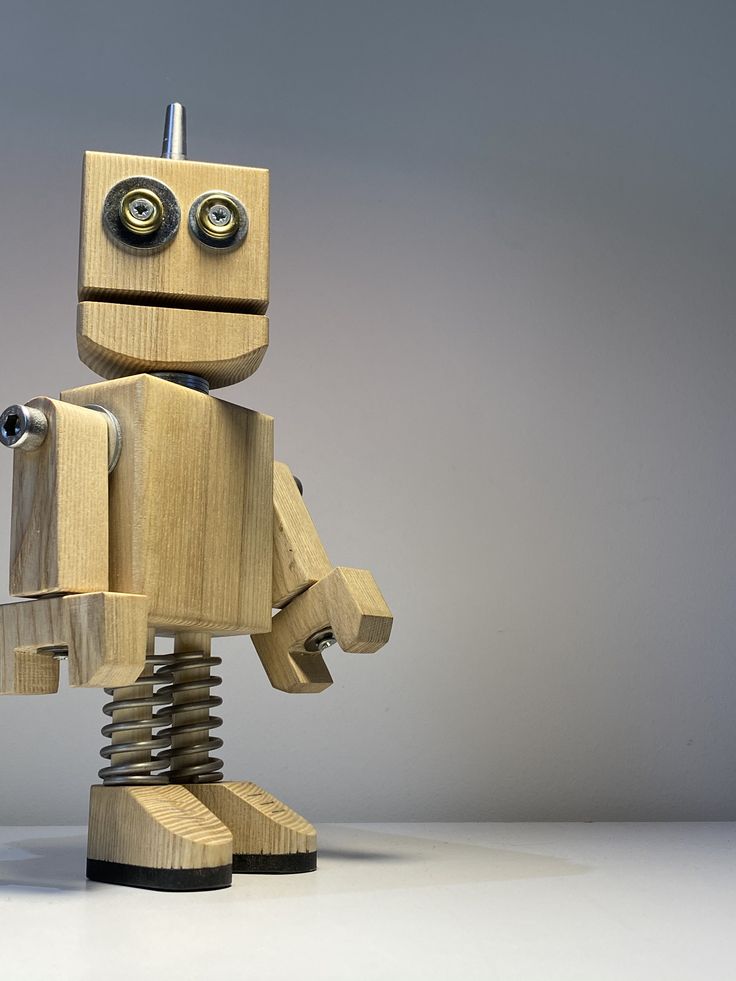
x,y
173,267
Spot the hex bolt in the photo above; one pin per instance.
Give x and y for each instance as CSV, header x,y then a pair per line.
x,y
23,428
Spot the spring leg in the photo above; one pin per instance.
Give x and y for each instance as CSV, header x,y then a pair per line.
x,y
142,831
136,754
191,722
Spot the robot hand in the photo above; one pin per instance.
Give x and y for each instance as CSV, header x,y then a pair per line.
x,y
345,607
103,635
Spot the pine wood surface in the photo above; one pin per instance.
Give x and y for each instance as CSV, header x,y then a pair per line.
x,y
118,339
58,532
184,273
191,505
347,600
105,635
299,557
260,824
23,670
156,827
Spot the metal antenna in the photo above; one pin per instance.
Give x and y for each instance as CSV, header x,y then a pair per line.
x,y
175,132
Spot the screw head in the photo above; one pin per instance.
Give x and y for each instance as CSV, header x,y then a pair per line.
x,y
220,214
217,217
141,211
12,425
218,221
22,428
320,641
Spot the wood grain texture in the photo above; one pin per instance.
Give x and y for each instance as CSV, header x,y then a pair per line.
x,y
118,339
58,536
25,671
162,827
350,603
104,634
260,824
184,273
299,558
191,505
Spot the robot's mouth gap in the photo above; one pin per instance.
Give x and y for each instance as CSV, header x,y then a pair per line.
x,y
221,304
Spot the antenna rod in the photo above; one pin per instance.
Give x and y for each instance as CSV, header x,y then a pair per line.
x,y
175,132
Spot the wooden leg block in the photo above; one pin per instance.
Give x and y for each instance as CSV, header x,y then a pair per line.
x,y
158,837
104,635
268,837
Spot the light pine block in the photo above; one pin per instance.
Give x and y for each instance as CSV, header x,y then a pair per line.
x,y
25,671
299,558
104,635
58,536
260,824
350,603
162,827
191,505
118,339
184,273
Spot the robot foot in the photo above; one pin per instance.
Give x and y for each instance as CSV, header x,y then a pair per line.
x,y
157,837
268,837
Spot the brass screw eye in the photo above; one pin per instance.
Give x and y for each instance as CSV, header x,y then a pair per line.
x,y
141,211
217,217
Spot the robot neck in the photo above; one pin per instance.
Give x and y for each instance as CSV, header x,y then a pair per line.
x,y
186,379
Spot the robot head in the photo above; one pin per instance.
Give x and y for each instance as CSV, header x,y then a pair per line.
x,y
173,264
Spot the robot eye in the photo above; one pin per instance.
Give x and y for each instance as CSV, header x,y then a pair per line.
x,y
141,214
218,220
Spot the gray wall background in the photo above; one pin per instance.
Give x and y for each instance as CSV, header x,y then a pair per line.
x,y
502,362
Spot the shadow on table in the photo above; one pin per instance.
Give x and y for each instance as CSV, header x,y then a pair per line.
x,y
44,864
384,860
349,858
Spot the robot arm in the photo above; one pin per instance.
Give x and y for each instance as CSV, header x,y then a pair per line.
x,y
320,605
59,556
59,536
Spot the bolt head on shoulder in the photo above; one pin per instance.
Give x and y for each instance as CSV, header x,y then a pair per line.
x,y
22,428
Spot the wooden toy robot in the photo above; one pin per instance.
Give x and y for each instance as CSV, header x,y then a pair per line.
x,y
144,507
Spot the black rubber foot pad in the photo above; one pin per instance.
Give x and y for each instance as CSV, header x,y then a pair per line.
x,y
275,864
168,880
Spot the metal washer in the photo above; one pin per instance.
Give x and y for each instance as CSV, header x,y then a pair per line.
x,y
121,235
225,244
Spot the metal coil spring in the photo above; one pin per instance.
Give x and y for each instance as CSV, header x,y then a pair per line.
x,y
189,757
142,764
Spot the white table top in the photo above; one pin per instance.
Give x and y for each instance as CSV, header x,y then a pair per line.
x,y
447,901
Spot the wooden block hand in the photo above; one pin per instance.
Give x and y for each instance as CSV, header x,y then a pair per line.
x,y
321,605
